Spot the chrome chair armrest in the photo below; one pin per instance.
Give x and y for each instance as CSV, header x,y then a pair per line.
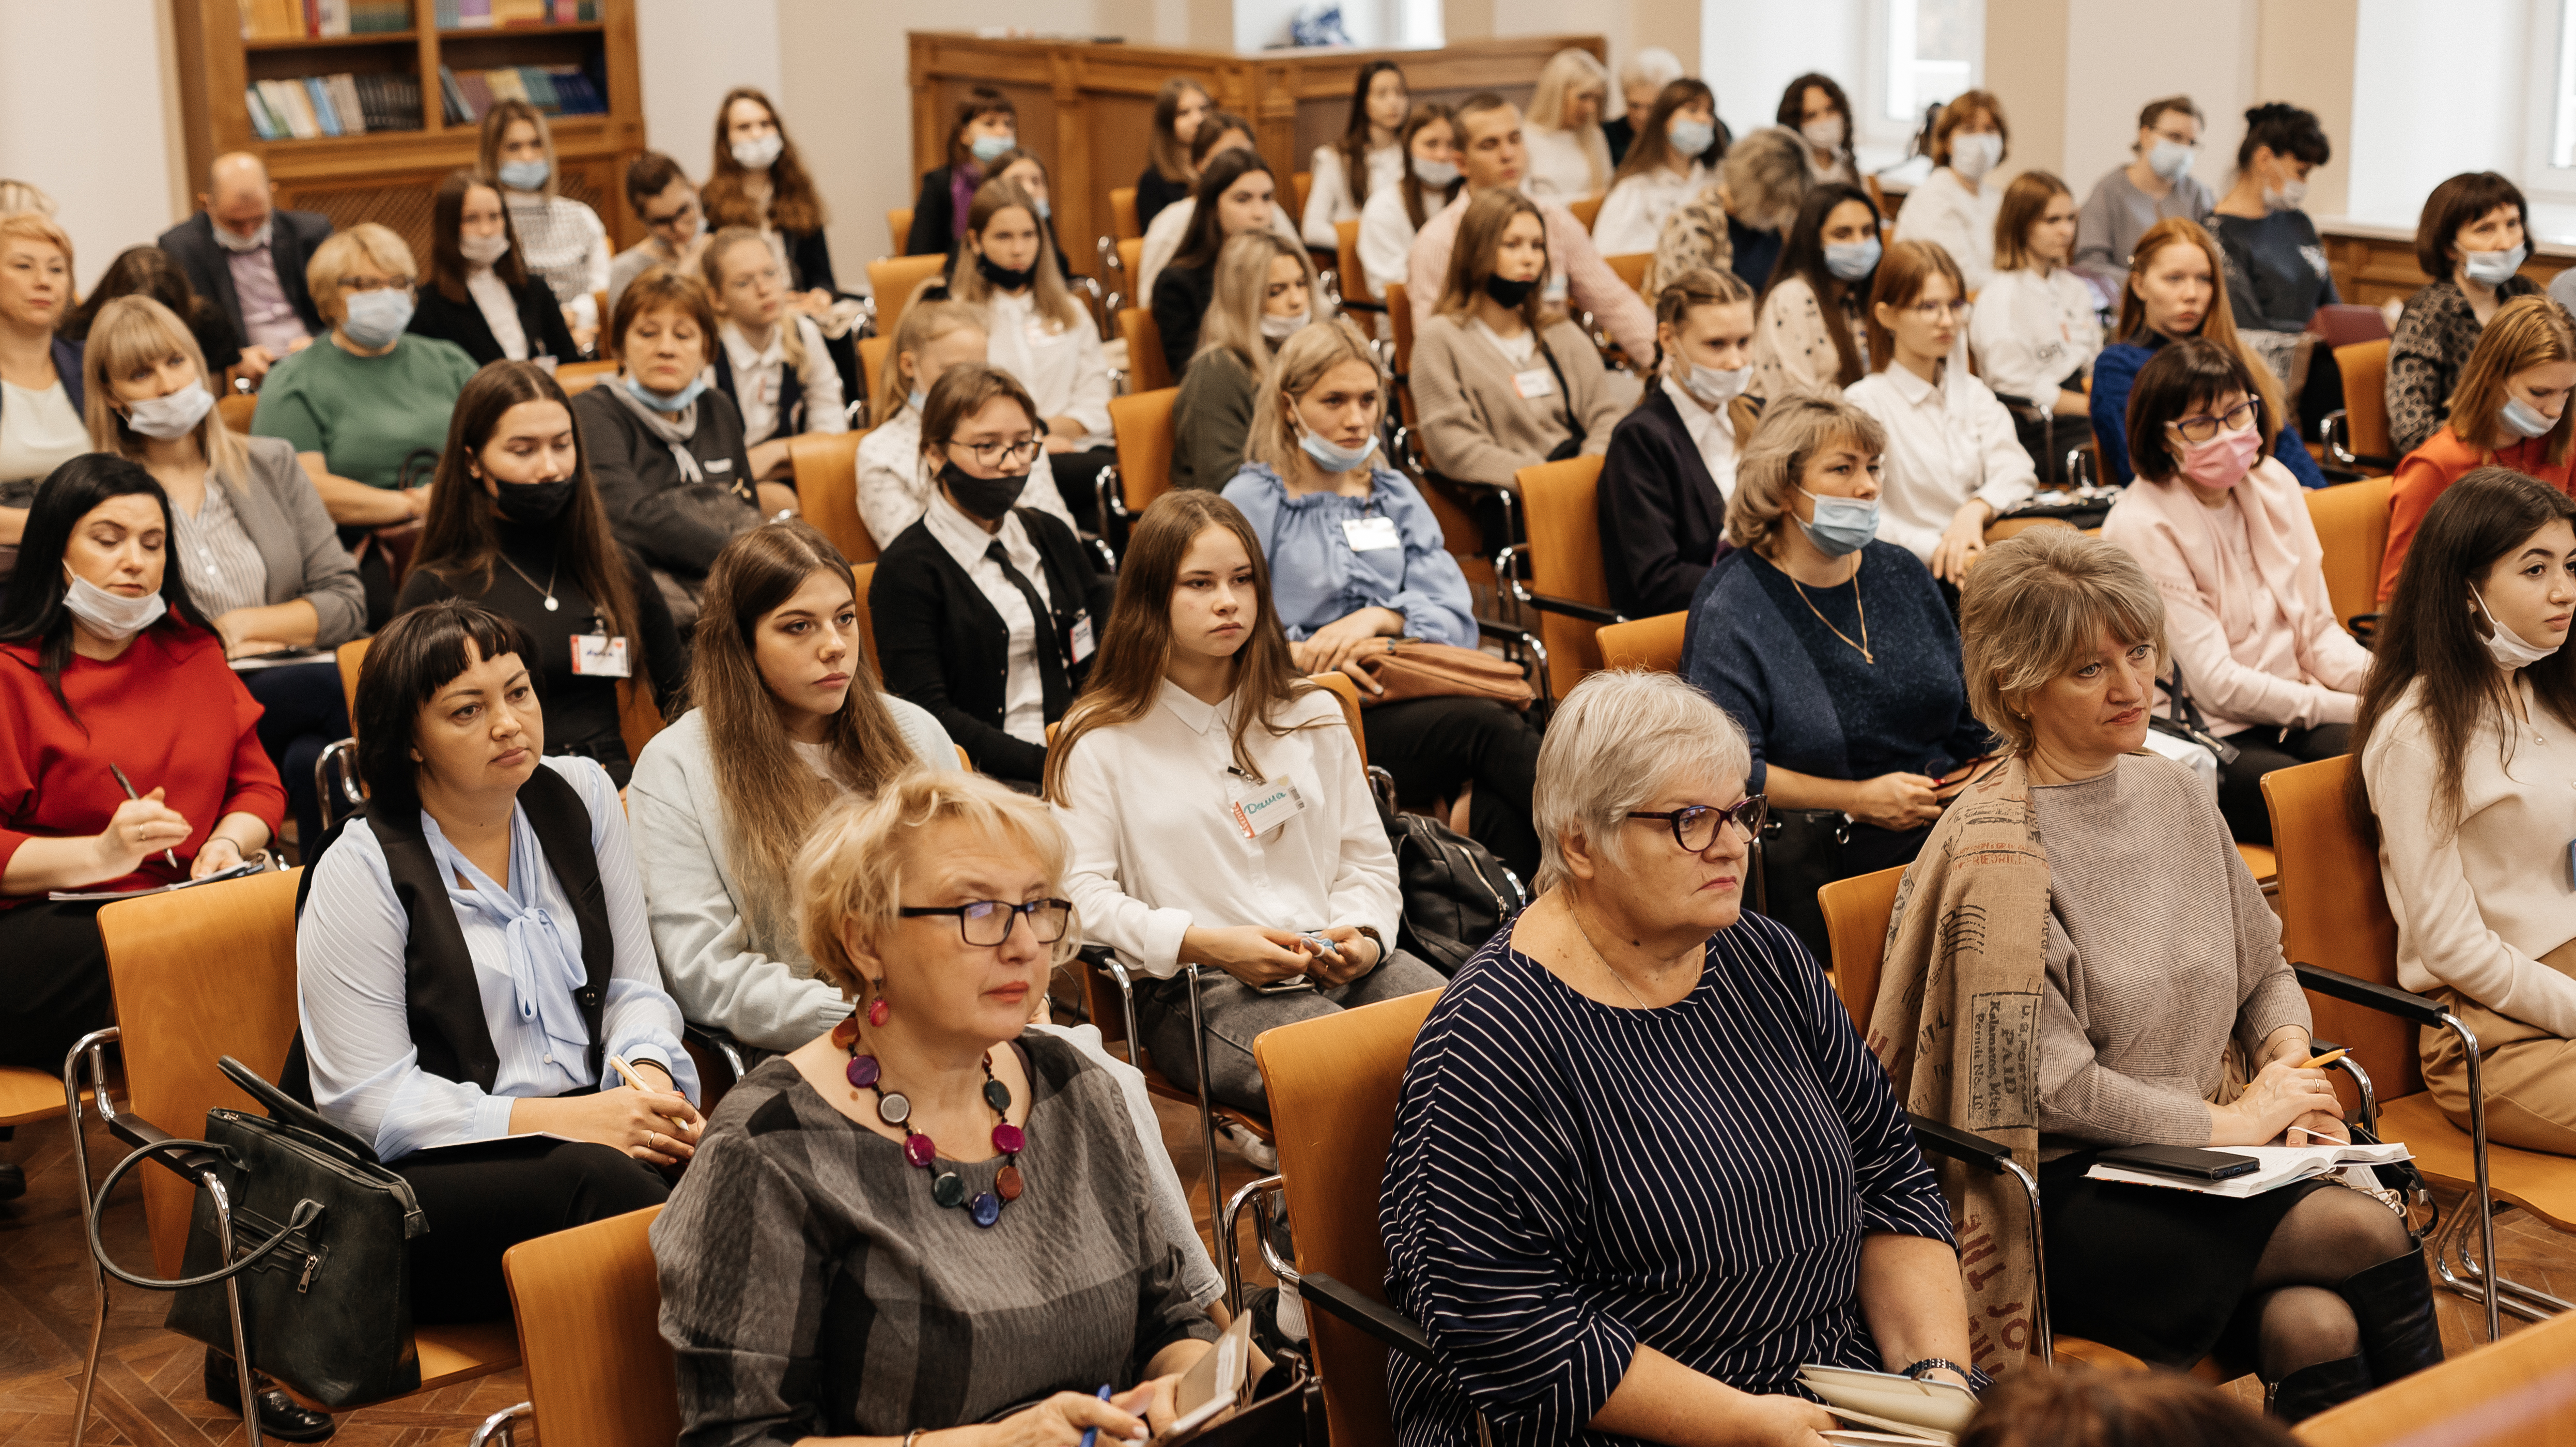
x,y
502,1426
1393,1329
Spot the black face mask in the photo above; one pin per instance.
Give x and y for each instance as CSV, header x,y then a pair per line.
x,y
984,497
532,502
1509,294
1003,277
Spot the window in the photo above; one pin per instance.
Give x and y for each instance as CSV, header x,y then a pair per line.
x,y
1934,48
2562,94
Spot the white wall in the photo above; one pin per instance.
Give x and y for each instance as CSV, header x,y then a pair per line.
x,y
1750,50
106,152
689,55
2435,93
2116,64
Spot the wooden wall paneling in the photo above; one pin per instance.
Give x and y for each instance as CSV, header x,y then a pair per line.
x,y
2376,270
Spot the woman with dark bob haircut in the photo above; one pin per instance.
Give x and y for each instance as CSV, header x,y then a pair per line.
x,y
471,1026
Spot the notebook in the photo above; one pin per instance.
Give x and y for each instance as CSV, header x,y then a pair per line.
x,y
1216,1385
1885,1407
2281,1166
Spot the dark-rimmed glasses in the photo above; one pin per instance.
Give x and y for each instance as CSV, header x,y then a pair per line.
x,y
1695,828
987,922
2201,429
1001,454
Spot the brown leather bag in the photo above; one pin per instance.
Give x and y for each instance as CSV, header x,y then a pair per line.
x,y
1414,668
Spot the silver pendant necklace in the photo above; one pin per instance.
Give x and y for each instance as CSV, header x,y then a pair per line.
x,y
548,589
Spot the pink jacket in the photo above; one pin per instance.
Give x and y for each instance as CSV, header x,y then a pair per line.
x,y
2219,638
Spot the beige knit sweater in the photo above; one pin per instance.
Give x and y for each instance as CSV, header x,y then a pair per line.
x,y
1476,426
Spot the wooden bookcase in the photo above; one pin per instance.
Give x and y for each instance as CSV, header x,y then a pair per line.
x,y
388,176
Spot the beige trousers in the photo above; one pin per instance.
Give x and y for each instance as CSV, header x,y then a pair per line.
x,y
2529,1074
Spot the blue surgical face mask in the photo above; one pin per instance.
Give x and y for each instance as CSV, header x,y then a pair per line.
x,y
2493,268
2170,159
1843,524
376,318
915,398
666,401
1690,136
2523,420
1336,459
1045,211
1854,260
990,148
524,175
1435,174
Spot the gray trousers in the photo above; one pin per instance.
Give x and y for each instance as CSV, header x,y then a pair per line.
x,y
1236,1014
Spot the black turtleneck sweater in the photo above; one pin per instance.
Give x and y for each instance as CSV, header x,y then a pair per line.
x,y
580,711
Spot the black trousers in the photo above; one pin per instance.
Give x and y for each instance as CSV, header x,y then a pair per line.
x,y
483,1199
2260,750
305,714
1432,745
53,981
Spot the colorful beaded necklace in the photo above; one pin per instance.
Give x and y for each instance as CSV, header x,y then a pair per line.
x,y
895,1109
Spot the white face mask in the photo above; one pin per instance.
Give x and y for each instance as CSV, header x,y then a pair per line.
x,y
757,153
2504,645
1973,156
111,616
1714,387
1278,328
176,415
2290,195
231,240
484,250
1825,133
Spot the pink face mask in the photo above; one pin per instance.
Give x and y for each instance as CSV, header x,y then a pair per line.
x,y
2222,461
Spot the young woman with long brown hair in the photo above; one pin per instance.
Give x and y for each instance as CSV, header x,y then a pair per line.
x,y
561,239
1217,806
2177,288
517,527
788,715
480,293
756,179
1672,159
1169,172
1364,159
1429,181
1006,264
986,129
2466,738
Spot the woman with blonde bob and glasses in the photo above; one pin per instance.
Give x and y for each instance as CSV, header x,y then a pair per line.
x,y
259,552
1954,463
1643,1166
1835,654
2226,535
1217,807
1265,291
2097,882
927,1161
2510,410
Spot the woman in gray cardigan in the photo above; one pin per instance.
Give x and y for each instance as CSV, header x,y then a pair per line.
x,y
1501,378
259,551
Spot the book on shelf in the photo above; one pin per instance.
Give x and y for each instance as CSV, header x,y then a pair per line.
x,y
517,14
451,96
322,19
341,104
556,90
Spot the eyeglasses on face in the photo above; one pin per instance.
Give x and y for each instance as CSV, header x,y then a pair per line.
x,y
2203,428
987,922
687,212
1934,311
995,454
375,283
1695,828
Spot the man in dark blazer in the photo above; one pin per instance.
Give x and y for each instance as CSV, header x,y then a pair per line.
x,y
241,251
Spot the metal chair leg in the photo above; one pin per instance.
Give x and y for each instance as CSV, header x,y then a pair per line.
x,y
502,1426
232,1306
94,1045
2478,1146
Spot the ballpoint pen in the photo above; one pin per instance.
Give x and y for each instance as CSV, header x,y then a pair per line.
x,y
127,785
1091,1435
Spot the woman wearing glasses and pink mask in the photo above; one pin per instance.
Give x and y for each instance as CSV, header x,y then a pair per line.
x,y
2223,529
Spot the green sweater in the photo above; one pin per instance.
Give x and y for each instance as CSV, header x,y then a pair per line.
x,y
365,415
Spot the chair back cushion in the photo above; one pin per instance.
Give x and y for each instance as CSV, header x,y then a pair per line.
x,y
1559,504
2352,526
1856,914
863,574
892,278
589,1306
1147,371
2365,398
2334,914
1122,214
1142,424
827,488
1651,643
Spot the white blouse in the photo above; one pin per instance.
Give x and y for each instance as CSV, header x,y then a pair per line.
x,y
1942,211
1156,849
564,243
760,381
1565,165
1712,431
969,547
1386,238
1328,189
1945,445
2031,332
1633,216
39,431
896,483
1059,362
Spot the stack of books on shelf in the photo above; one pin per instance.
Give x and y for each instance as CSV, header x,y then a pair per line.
x,y
555,90
333,105
317,19
493,14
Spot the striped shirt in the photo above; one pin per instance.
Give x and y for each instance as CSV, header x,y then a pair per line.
x,y
1570,1181
562,242
222,565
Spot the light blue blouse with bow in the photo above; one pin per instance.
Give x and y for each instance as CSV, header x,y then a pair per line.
x,y
1316,576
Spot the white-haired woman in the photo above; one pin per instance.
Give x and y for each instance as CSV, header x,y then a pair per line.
x,y
2107,897
1738,221
926,1162
1641,77
1643,1165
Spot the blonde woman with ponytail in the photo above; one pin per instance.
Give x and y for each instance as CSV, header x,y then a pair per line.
x,y
1671,463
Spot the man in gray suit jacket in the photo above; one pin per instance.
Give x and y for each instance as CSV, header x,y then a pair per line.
x,y
248,257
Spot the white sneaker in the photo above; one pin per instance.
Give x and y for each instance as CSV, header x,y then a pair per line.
x,y
1256,1150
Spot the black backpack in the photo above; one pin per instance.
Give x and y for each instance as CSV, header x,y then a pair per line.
x,y
1456,894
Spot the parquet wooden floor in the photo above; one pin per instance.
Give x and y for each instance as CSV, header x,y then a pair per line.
x,y
149,1393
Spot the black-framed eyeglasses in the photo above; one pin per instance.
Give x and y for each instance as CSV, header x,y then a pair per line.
x,y
998,454
988,921
2201,429
1695,828
688,212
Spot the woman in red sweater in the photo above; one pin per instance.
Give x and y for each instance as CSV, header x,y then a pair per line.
x,y
2510,411
104,661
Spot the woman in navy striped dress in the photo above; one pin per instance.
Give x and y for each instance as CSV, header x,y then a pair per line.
x,y
1643,1167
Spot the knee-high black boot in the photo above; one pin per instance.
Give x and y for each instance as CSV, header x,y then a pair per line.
x,y
2393,1302
2310,1390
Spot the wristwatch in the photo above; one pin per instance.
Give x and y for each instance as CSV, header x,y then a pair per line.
x,y
1977,1381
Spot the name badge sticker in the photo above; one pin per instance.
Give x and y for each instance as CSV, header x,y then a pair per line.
x,y
1536,382
1371,534
596,655
1082,644
1259,808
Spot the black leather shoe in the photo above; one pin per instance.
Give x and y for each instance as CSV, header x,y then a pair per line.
x,y
280,1416
2310,1390
2393,1301
13,1180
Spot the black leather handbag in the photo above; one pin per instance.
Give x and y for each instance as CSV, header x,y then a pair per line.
x,y
319,1252
2182,719
1802,850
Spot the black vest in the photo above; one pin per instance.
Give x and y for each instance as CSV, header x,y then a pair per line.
x,y
444,1005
